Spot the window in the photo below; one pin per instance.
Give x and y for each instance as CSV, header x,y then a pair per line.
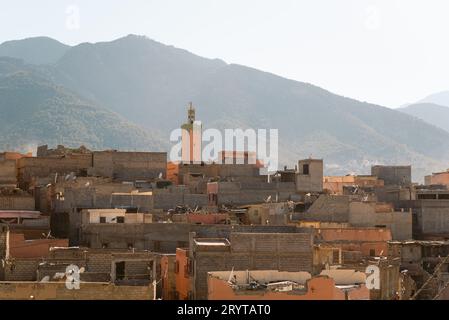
x,y
120,270
121,219
305,169
102,219
188,268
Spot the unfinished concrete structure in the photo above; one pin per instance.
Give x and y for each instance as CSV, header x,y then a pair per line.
x,y
276,213
20,290
243,193
439,178
374,214
329,208
369,242
161,237
393,175
276,285
430,214
253,251
426,263
336,184
182,173
309,176
8,173
121,166
16,199
129,166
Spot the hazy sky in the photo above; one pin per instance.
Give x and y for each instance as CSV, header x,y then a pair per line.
x,y
388,52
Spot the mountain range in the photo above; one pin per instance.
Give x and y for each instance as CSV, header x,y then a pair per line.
x,y
432,113
130,93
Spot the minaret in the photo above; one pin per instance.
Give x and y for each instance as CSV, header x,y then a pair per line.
x,y
191,138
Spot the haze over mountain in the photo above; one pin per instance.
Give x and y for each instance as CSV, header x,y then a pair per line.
x,y
431,113
39,50
440,98
36,111
150,84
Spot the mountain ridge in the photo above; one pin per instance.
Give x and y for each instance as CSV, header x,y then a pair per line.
x,y
149,84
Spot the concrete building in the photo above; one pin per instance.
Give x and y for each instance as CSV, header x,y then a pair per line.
x,y
309,178
275,213
8,168
8,173
439,178
16,199
421,259
93,216
129,166
104,275
276,285
328,208
244,193
393,175
162,237
239,157
182,173
430,214
336,184
31,223
243,251
19,247
354,243
375,214
20,290
120,166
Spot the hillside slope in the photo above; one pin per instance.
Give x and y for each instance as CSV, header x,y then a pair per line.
x,y
431,113
150,84
36,111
